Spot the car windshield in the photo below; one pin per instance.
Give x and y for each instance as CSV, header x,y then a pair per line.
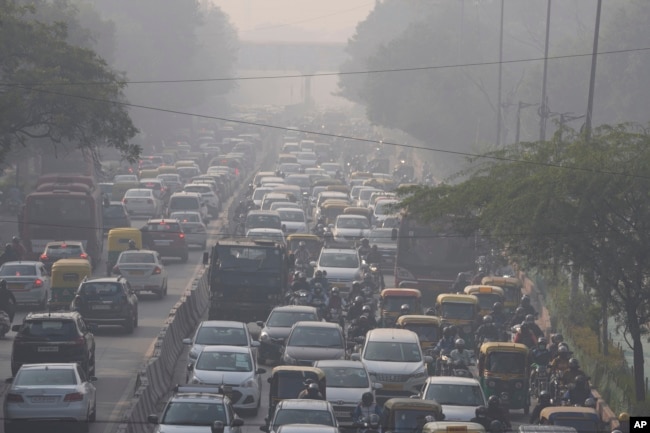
x,y
186,217
63,250
382,237
390,351
140,193
217,335
346,377
338,260
455,395
46,377
302,416
224,361
309,336
394,303
458,310
385,207
184,203
292,216
286,319
429,333
49,329
114,211
352,223
136,258
259,193
8,270
193,413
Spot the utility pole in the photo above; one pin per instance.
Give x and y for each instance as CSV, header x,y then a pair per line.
x,y
500,69
543,113
592,78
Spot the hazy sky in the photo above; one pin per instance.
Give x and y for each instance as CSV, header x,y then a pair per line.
x,y
288,20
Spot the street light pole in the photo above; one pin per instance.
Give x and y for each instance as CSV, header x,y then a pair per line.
x,y
499,86
592,78
543,115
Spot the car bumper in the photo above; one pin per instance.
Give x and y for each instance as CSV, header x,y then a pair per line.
x,y
196,238
31,296
144,210
76,411
245,398
145,284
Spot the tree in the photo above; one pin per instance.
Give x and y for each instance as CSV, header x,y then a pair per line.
x,y
53,92
551,204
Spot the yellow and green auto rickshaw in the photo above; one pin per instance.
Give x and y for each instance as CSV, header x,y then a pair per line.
x,y
408,414
487,296
453,427
66,276
148,173
503,370
511,291
287,381
118,241
583,419
461,311
429,330
391,301
332,208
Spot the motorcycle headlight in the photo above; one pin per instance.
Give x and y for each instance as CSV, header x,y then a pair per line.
x,y
264,337
250,383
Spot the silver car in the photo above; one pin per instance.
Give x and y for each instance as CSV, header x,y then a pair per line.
x,y
459,396
301,411
29,281
312,341
196,233
343,266
220,333
50,392
142,201
144,270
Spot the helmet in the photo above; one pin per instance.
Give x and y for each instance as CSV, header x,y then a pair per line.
x,y
296,275
573,363
15,239
481,412
448,331
405,308
487,319
519,310
496,426
373,421
581,379
356,285
430,312
365,242
542,341
366,309
498,306
358,300
374,247
313,387
318,274
493,401
544,397
9,248
301,244
367,398
557,338
334,291
563,349
530,318
460,343
525,300
302,276
131,243
624,416
363,319
590,402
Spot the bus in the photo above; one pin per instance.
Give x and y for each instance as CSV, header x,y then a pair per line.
x,y
430,258
63,207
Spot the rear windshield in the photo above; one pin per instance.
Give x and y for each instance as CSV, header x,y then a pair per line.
x,y
264,221
100,290
114,211
17,270
63,250
174,228
53,328
186,217
215,335
52,376
184,203
136,258
140,193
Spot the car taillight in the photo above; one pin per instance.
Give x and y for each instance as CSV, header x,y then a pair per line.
x,y
43,256
79,341
116,269
181,235
157,270
124,200
83,255
14,398
73,396
38,282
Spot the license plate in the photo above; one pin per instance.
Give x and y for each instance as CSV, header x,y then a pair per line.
x,y
392,386
48,349
136,272
15,286
43,399
163,242
101,307
341,414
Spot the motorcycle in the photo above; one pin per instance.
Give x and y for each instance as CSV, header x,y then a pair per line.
x,y
319,304
363,426
5,323
336,315
301,297
539,380
240,228
454,368
376,276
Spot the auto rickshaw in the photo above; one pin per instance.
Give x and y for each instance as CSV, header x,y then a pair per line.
x,y
503,370
312,242
487,296
453,427
66,276
511,290
363,211
391,301
332,208
327,182
149,173
461,311
120,188
583,419
118,241
429,330
167,169
287,381
408,414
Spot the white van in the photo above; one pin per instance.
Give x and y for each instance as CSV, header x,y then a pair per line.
x,y
188,201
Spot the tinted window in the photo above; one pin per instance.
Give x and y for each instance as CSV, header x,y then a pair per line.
x,y
392,351
346,377
337,260
302,416
136,258
17,270
114,211
458,395
307,336
193,413
54,376
173,228
224,361
63,250
98,291
184,203
55,329
214,335
286,319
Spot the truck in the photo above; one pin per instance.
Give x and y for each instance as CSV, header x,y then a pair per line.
x,y
247,278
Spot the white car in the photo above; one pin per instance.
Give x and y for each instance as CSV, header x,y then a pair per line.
x,y
196,233
343,266
49,393
459,396
211,199
142,201
233,365
264,233
284,204
29,281
220,333
293,220
382,209
259,193
144,271
350,228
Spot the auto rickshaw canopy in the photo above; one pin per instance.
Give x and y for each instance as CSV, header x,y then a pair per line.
x,y
428,328
287,381
583,419
487,296
408,414
453,427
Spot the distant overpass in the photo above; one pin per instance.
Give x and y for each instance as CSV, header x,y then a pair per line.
x,y
306,57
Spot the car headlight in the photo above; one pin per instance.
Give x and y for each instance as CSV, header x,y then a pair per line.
x,y
250,383
194,353
264,337
196,381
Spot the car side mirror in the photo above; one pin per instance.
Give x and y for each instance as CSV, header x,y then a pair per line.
x,y
187,341
190,366
152,419
260,323
428,359
15,328
218,427
255,343
92,379
312,264
355,357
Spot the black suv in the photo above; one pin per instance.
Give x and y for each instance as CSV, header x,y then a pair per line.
x,y
167,237
60,336
115,215
107,301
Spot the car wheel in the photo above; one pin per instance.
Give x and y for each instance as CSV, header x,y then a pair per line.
x,y
93,414
184,257
129,325
91,365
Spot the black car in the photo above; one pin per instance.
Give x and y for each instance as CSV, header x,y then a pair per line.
x,y
167,237
107,301
61,336
115,215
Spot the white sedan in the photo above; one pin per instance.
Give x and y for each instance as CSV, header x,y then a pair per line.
x,y
267,234
196,233
349,228
293,220
144,271
142,201
29,281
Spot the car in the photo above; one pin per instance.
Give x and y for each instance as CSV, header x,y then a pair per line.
x,y
383,208
107,301
312,341
196,233
307,159
58,336
262,219
459,396
62,250
142,201
393,357
194,409
386,241
284,204
364,195
144,270
350,228
209,196
293,220
347,381
158,187
307,428
234,366
115,215
220,333
125,178
50,392
343,266
172,180
301,411
167,237
188,201
272,197
259,193
278,326
276,235
29,281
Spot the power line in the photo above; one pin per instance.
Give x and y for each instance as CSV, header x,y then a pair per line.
x,y
329,74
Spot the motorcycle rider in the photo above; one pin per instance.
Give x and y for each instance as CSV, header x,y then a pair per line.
x,y
300,283
556,339
460,357
579,392
356,309
574,370
320,278
364,248
540,356
132,245
543,401
487,331
301,255
404,310
528,308
335,300
20,250
7,300
373,256
448,340
319,299
359,327
311,391
496,412
525,335
496,426
518,317
481,417
9,255
366,407
356,290
558,366
367,311
530,319
498,316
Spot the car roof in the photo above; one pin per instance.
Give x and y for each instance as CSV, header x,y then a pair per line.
x,y
53,315
64,242
296,308
391,334
222,324
339,363
136,190
339,250
163,220
453,380
304,404
136,252
314,324
351,216
105,279
22,262
226,348
49,365
309,428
